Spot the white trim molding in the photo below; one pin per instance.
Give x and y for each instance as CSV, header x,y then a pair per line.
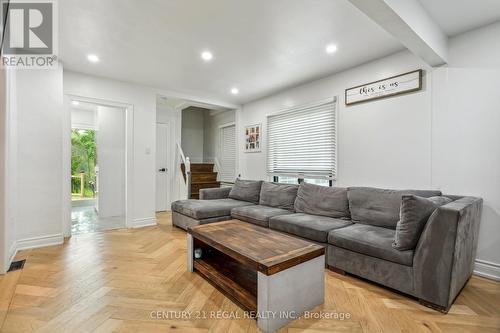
x,y
144,222
75,125
42,241
129,157
33,243
487,269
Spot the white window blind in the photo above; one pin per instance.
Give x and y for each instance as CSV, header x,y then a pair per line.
x,y
228,154
302,141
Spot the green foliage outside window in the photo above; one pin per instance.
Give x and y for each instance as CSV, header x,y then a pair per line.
x,y
83,160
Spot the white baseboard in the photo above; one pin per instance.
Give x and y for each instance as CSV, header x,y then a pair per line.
x,y
487,269
42,241
32,243
144,222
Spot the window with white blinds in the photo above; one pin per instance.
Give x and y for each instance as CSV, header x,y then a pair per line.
x,y
227,154
302,141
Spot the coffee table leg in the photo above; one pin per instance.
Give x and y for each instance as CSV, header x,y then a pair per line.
x,y
284,296
190,254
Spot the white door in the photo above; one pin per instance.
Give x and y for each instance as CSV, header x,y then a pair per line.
x,y
227,153
162,172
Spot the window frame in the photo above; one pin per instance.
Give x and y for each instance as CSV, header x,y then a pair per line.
x,y
335,101
276,179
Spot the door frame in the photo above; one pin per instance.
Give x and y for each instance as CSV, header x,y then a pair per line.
x,y
170,163
176,120
66,160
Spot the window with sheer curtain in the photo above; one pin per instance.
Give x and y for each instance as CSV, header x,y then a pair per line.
x,y
302,142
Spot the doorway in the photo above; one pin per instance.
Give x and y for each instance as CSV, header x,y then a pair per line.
x,y
98,167
191,130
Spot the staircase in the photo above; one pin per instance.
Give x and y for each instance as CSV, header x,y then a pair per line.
x,y
202,176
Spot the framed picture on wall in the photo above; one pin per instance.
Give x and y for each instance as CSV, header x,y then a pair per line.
x,y
253,134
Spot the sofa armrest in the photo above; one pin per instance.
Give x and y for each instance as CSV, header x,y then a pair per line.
x,y
214,193
444,257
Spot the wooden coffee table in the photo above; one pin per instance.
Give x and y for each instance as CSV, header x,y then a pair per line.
x,y
273,275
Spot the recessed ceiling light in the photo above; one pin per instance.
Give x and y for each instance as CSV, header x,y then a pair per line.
x,y
207,55
235,91
93,58
75,103
332,48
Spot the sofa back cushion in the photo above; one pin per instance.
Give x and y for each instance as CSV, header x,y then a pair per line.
x,y
414,213
322,200
380,207
246,190
278,195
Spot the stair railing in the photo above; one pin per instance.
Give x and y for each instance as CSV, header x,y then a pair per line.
x,y
217,167
184,186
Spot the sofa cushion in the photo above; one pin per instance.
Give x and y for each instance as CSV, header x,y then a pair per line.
x,y
379,207
204,209
246,190
278,195
258,215
313,227
370,240
415,212
322,200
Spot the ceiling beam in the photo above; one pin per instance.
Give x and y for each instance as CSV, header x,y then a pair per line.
x,y
408,21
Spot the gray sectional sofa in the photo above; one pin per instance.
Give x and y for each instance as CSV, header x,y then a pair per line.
x,y
415,241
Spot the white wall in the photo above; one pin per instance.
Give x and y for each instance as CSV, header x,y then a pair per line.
x,y
38,182
200,132
9,165
193,127
444,137
111,161
83,119
143,99
3,136
33,160
380,143
466,132
476,49
211,142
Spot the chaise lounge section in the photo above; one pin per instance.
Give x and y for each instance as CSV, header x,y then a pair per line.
x,y
415,241
213,206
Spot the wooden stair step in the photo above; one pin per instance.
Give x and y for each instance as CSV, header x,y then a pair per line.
x,y
201,167
202,176
197,177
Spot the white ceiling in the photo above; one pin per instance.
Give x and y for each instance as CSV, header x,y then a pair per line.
x,y
457,16
260,46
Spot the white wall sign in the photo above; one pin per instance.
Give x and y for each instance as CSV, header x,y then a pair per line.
x,y
395,85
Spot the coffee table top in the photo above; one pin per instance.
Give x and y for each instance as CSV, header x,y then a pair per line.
x,y
265,250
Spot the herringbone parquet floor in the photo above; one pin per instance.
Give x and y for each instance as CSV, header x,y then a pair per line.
x,y
116,281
